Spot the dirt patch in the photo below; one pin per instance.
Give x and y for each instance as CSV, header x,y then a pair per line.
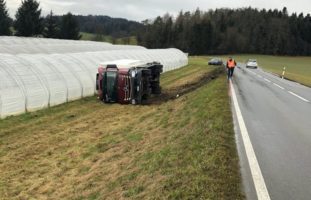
x,y
184,88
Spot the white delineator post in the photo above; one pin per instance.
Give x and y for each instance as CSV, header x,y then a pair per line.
x,y
283,72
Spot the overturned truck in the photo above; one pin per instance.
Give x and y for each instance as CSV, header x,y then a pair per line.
x,y
128,81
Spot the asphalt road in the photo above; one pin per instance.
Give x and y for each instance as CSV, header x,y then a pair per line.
x,y
277,115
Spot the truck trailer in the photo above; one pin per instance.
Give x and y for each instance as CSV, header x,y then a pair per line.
x,y
128,81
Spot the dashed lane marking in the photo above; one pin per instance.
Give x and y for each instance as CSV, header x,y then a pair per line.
x,y
277,85
267,80
252,72
296,95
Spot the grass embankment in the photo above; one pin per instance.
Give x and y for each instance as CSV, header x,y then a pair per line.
x,y
180,149
297,68
106,38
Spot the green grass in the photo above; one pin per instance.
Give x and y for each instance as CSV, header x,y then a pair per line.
x,y
297,68
127,40
105,38
180,149
87,36
198,67
94,37
13,30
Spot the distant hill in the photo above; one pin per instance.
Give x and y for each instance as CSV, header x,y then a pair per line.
x,y
105,25
131,40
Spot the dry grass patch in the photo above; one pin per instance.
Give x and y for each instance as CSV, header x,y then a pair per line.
x,y
180,149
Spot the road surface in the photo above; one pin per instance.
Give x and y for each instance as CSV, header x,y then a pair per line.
x,y
277,118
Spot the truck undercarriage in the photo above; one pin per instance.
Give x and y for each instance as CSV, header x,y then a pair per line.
x,y
128,84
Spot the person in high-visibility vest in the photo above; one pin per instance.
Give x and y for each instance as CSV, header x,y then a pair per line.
x,y
230,67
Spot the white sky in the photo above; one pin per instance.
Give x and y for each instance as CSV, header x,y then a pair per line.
x,y
139,10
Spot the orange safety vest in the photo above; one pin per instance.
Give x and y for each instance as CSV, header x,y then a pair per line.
x,y
231,64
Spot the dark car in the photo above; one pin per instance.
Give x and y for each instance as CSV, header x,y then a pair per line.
x,y
215,61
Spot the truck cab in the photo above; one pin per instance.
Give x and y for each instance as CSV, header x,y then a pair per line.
x,y
128,81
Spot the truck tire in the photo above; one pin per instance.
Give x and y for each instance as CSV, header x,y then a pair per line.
x,y
156,89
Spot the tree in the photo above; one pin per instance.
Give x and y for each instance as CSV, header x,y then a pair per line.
x,y
5,21
224,31
99,36
167,32
285,12
69,28
28,19
51,30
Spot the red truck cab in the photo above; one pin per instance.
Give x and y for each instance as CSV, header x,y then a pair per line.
x,y
128,81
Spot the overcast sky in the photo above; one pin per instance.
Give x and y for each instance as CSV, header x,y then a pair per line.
x,y
139,10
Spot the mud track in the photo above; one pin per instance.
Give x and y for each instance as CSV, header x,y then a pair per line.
x,y
176,92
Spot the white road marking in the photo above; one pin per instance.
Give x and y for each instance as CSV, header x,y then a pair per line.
x,y
296,95
292,93
252,72
267,80
259,182
278,86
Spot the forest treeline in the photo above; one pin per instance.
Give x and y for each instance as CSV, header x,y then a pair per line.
x,y
105,25
225,31
219,31
29,22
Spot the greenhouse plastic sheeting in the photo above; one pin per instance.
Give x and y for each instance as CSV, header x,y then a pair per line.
x,y
11,40
17,45
30,82
63,48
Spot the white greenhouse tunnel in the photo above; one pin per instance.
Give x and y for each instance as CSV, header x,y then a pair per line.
x,y
19,45
32,81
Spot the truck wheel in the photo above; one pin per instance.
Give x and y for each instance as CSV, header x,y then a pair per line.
x,y
145,99
156,89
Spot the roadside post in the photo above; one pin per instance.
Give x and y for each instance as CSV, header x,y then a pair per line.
x,y
283,72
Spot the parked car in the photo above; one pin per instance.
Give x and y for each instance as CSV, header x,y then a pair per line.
x,y
252,63
215,61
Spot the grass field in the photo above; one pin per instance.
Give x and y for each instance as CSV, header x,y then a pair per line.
x,y
297,68
105,38
177,149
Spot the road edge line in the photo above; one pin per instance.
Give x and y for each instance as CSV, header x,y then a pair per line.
x,y
259,182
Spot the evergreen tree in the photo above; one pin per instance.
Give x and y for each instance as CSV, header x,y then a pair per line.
x,y
51,30
224,31
167,31
5,21
69,28
28,19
